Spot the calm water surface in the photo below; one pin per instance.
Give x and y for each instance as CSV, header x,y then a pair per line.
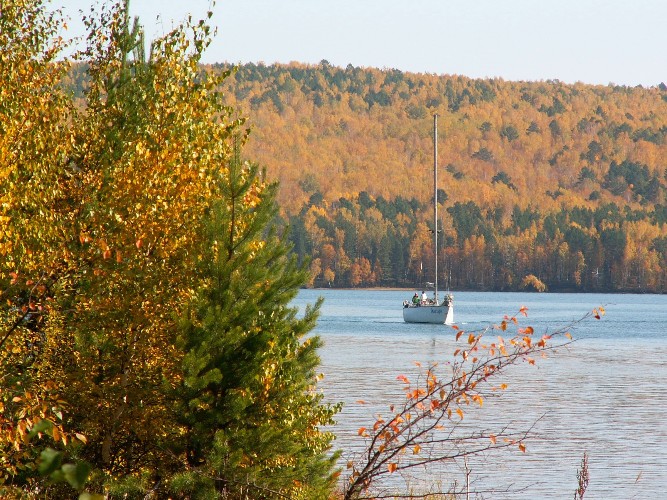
x,y
605,394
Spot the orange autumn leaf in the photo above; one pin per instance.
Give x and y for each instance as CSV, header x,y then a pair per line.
x,y
598,312
392,467
492,438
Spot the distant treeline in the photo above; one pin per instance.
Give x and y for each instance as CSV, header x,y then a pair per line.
x,y
375,242
565,182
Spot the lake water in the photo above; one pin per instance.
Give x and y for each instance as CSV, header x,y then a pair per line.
x,y
606,394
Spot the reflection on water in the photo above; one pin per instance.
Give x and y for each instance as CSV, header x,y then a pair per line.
x,y
606,394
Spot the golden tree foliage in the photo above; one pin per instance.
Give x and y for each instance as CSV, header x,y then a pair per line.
x,y
121,221
587,159
101,220
348,128
150,146
533,282
34,217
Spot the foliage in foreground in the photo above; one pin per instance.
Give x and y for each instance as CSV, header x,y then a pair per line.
x,y
147,346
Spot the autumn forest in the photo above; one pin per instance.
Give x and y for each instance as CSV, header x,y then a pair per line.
x,y
567,183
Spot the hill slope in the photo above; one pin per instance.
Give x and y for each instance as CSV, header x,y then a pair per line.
x,y
341,131
541,181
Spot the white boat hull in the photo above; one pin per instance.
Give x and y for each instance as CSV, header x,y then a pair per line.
x,y
442,314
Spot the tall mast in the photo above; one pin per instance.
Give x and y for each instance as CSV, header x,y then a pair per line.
x,y
435,200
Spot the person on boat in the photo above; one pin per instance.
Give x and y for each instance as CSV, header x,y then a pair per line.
x,y
424,298
415,299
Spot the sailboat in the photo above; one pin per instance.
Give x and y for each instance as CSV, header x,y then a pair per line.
x,y
432,311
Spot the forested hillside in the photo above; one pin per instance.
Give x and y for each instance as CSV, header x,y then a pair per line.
x,y
564,182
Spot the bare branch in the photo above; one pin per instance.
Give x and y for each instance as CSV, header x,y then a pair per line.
x,y
426,428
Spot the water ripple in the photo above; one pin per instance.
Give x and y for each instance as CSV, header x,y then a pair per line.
x,y
606,394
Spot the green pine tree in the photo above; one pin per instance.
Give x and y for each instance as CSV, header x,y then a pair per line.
x,y
247,402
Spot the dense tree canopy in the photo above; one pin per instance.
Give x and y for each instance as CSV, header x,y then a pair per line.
x,y
35,206
607,248
344,141
147,343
